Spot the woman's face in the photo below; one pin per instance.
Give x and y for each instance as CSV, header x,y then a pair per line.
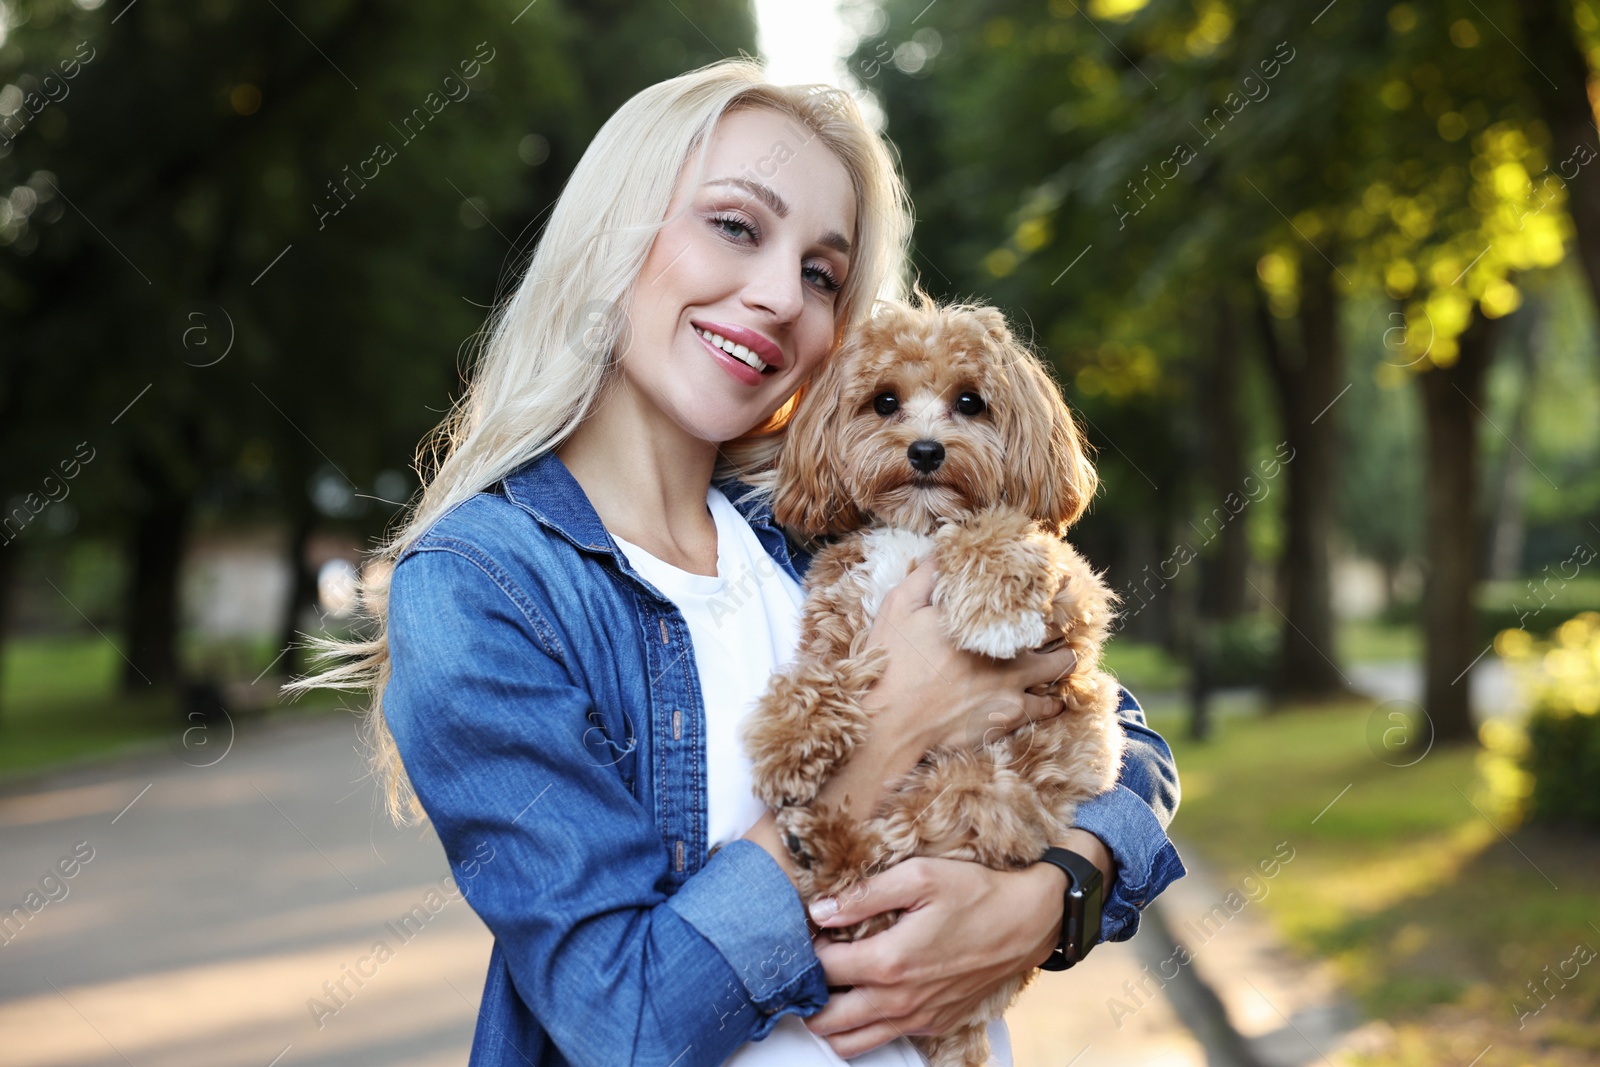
x,y
751,259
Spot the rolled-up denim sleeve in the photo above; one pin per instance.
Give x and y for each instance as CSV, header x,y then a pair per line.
x,y
551,849
1132,820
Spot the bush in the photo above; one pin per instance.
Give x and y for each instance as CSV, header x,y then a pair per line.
x,y
1242,651
1560,747
1538,607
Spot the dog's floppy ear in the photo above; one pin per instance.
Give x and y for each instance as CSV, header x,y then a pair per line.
x,y
812,498
1048,471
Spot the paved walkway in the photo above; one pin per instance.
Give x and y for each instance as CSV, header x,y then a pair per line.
x,y
216,906
220,899
1232,996
1494,690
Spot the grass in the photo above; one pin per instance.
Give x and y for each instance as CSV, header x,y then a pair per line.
x,y
1375,641
1145,666
1436,920
60,701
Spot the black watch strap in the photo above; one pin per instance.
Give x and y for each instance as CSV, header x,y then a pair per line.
x,y
1080,917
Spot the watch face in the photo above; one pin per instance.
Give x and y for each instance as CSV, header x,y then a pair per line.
x,y
1089,935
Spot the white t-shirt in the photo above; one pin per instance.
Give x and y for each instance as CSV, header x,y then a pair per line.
x,y
745,624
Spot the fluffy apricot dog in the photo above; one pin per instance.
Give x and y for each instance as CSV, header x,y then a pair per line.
x,y
932,430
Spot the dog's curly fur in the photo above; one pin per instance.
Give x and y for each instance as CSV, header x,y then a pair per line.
x,y
1013,476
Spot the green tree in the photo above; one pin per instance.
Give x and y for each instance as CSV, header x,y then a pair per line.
x,y
333,190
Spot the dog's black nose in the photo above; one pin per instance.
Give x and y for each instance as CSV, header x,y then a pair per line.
x,y
925,455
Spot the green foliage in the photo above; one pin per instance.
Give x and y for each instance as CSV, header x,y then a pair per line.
x,y
1560,750
336,187
1185,148
1243,651
1564,759
246,248
1142,667
1537,605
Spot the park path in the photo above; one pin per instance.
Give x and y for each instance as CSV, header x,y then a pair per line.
x,y
217,905
219,899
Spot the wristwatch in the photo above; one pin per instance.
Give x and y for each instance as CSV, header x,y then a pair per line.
x,y
1080,917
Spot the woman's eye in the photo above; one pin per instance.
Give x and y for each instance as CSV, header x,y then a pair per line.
x,y
970,404
885,404
822,278
731,226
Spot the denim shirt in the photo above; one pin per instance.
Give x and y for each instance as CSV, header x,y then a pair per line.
x,y
545,701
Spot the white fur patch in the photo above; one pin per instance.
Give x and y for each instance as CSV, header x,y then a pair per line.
x,y
890,556
1007,639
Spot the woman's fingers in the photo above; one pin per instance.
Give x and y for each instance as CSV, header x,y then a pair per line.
x,y
1038,708
916,588
1001,715
1043,668
897,887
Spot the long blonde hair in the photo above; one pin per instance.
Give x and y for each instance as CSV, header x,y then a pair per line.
x,y
547,352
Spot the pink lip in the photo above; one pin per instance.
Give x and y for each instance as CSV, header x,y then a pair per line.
x,y
765,350
740,370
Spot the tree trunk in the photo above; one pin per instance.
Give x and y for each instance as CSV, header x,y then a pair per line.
x,y
1308,379
1509,528
155,552
1451,399
8,581
1225,572
156,542
1555,51
302,586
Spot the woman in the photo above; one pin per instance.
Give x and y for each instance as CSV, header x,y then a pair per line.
x,y
591,591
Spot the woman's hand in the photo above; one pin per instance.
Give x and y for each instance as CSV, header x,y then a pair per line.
x,y
965,928
932,693
938,694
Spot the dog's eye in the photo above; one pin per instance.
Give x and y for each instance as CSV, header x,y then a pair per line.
x,y
885,404
970,404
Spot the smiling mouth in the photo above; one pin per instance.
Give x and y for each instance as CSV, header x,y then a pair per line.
x,y
738,352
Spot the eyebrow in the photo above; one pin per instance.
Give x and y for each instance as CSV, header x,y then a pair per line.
x,y
780,207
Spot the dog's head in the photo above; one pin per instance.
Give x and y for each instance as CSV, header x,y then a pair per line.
x,y
925,412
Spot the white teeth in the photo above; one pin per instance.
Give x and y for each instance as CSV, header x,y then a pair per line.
x,y
739,352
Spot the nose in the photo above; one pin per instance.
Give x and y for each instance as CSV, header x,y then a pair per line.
x,y
775,286
925,455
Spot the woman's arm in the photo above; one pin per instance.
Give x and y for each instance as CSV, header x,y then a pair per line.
x,y
567,870
1132,820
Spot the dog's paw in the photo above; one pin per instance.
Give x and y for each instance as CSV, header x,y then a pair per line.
x,y
834,849
1001,638
995,585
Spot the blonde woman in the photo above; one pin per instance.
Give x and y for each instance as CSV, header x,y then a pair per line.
x,y
591,591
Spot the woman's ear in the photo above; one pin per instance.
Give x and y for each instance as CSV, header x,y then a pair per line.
x,y
1048,471
811,497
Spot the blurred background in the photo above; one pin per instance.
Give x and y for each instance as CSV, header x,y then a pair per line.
x,y
1319,278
